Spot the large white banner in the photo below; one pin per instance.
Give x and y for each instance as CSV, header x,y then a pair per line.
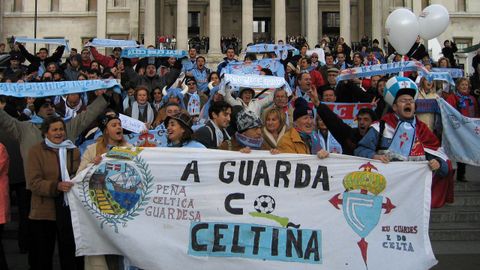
x,y
209,209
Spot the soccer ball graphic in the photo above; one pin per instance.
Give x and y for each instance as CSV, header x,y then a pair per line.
x,y
264,204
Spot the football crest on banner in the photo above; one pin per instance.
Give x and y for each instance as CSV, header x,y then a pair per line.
x,y
116,190
361,204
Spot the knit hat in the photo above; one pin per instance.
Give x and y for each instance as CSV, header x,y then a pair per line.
x,y
247,120
301,109
39,102
183,118
397,86
104,119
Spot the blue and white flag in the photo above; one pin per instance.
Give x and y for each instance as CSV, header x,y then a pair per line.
x,y
112,43
142,52
58,41
439,76
280,50
454,72
43,89
256,81
461,135
241,68
381,69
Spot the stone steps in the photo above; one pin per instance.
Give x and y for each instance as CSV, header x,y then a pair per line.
x,y
459,221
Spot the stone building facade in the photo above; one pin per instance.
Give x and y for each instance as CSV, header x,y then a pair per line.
x,y
248,20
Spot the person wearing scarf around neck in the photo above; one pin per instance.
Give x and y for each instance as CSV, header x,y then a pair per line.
x,y
141,109
248,136
275,127
328,142
427,91
403,137
302,138
214,133
70,106
50,166
467,105
179,131
112,136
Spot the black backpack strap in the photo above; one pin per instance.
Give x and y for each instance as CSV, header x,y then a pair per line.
x,y
381,128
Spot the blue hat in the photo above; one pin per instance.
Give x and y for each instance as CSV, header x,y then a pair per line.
x,y
398,86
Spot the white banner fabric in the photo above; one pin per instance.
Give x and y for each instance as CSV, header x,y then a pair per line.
x,y
179,208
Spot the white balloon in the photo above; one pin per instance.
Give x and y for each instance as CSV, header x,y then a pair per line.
x,y
433,21
402,29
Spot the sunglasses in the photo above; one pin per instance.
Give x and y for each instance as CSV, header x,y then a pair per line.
x,y
191,83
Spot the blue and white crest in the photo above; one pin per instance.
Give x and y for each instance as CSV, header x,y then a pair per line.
x,y
362,211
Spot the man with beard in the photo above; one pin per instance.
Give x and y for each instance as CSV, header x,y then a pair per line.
x,y
400,136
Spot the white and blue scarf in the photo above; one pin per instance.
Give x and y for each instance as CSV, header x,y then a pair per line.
x,y
402,141
62,156
331,144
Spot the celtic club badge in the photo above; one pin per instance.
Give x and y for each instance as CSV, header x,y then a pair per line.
x,y
115,191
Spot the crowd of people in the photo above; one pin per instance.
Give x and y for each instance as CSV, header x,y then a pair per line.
x,y
40,136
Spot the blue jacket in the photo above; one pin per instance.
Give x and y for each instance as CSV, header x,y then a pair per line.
x,y
367,147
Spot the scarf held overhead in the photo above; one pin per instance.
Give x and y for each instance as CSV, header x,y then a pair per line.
x,y
44,89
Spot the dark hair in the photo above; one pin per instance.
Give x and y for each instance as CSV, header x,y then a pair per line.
x,y
48,122
267,71
198,57
210,76
187,132
217,107
359,55
327,54
368,111
250,56
43,49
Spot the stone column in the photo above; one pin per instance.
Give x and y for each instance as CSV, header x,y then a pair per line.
x,y
345,21
101,19
149,24
417,7
377,25
134,6
361,19
247,23
312,19
182,25
215,28
101,22
280,21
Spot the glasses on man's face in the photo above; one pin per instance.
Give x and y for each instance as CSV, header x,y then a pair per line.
x,y
190,83
406,101
46,105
